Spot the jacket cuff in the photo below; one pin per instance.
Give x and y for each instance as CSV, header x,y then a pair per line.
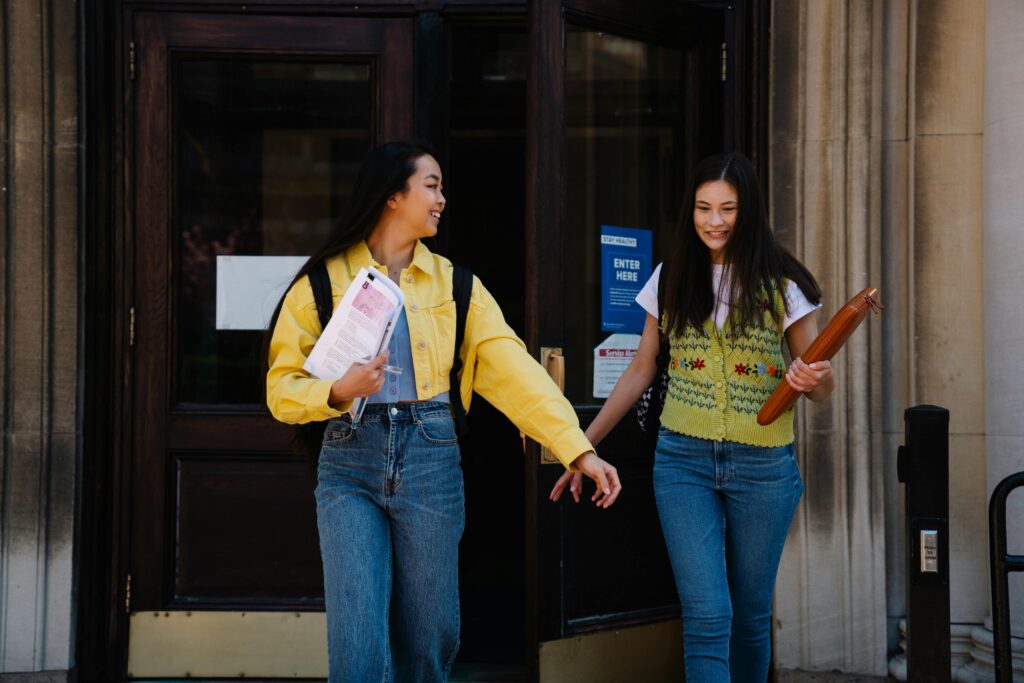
x,y
570,446
319,394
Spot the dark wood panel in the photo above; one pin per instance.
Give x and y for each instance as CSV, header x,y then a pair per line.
x,y
616,568
245,532
545,206
152,261
362,8
277,34
246,433
102,540
395,84
653,20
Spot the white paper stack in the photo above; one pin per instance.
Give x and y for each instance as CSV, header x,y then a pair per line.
x,y
359,330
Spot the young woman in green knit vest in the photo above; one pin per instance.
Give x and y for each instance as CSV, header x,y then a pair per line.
x,y
726,487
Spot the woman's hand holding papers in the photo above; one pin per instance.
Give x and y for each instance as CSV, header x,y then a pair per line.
x,y
359,381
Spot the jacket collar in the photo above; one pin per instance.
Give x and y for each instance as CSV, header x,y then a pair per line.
x,y
359,256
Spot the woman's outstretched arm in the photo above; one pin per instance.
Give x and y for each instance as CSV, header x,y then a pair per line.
x,y
633,382
503,372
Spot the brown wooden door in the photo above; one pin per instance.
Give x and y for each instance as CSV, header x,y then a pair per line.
x,y
623,97
247,133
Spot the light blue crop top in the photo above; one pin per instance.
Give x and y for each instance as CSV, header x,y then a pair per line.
x,y
401,387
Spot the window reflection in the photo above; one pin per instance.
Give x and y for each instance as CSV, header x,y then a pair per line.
x,y
266,155
625,119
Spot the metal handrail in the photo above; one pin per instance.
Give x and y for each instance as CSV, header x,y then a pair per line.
x,y
1001,564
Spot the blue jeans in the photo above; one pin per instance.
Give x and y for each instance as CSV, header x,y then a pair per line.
x,y
725,510
390,510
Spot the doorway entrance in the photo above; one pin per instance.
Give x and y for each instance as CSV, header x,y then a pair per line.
x,y
246,130
485,180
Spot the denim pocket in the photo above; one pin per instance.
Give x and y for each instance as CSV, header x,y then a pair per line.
x,y
339,430
438,430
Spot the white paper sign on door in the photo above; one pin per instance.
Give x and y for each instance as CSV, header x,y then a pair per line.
x,y
611,358
249,287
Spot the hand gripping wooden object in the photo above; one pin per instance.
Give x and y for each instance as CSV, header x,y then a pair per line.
x,y
825,345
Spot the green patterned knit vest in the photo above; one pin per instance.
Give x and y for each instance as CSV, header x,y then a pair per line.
x,y
718,382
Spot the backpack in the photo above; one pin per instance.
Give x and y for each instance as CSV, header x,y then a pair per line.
x,y
309,437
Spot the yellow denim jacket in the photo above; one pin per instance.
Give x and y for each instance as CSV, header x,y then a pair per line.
x,y
496,363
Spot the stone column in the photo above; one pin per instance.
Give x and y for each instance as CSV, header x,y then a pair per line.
x,y
38,334
1004,286
948,300
877,178
897,291
826,197
934,274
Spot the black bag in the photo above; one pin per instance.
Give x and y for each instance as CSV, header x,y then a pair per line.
x,y
650,404
308,438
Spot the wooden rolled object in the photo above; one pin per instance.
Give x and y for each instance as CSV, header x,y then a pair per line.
x,y
824,346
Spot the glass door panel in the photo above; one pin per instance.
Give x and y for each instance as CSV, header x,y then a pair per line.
x,y
266,155
625,124
625,121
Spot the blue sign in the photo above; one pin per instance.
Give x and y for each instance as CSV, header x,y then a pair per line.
x,y
625,268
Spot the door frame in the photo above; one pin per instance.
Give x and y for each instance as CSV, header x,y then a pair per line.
x,y
111,59
107,206
148,419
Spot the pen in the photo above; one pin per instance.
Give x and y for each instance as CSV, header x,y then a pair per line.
x,y
393,369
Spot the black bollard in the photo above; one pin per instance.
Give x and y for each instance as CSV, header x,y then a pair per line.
x,y
923,465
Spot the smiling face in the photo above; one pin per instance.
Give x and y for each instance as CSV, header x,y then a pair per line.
x,y
715,210
419,207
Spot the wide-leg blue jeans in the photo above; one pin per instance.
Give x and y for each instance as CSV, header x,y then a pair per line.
x,y
391,511
725,510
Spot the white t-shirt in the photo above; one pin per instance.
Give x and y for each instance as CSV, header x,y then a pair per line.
x,y
797,305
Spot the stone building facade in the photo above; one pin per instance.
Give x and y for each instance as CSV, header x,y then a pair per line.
x,y
41,235
892,135
896,144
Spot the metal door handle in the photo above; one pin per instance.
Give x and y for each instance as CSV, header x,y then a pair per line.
x,y
554,362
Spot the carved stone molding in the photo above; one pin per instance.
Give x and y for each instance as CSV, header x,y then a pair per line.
x,y
826,199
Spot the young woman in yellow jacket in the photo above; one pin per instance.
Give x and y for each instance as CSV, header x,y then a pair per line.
x,y
390,505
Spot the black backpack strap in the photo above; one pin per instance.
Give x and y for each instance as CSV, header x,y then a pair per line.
x,y
308,437
322,295
462,290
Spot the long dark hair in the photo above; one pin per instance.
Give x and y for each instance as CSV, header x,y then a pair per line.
x,y
755,262
385,172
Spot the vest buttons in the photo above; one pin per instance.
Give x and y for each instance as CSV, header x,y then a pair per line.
x,y
415,308
422,344
426,385
718,383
